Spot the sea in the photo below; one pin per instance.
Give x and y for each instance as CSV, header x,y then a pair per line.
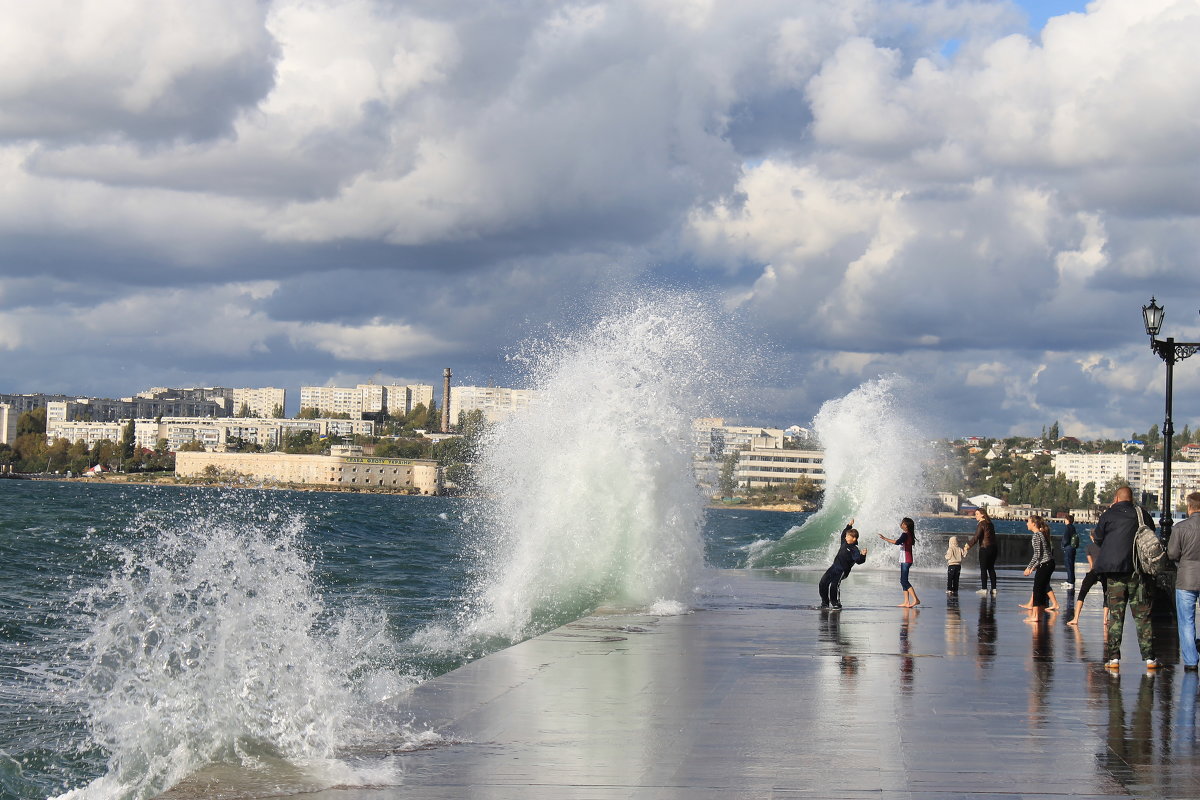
x,y
147,632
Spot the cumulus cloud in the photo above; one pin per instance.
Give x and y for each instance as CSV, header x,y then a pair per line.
x,y
314,187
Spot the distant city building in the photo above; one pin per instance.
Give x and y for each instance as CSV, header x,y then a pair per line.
x,y
346,471
1022,511
8,424
945,501
1100,468
986,502
496,402
366,398
1190,451
214,434
714,439
1185,478
774,466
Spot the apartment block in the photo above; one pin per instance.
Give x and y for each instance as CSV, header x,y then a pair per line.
x,y
1100,468
766,467
1185,479
496,402
366,398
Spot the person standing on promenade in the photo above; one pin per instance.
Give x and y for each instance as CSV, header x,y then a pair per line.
x,y
954,557
1184,550
847,556
1070,546
985,537
1114,535
1090,579
1041,566
906,540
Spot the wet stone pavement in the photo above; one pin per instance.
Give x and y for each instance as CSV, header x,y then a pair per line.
x,y
758,694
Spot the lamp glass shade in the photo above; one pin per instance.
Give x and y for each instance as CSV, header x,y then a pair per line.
x,y
1152,315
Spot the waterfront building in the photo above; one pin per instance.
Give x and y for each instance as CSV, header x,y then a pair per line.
x,y
714,439
344,470
1100,468
214,434
764,467
1022,511
496,402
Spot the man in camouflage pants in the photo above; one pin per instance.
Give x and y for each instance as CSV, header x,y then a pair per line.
x,y
1126,587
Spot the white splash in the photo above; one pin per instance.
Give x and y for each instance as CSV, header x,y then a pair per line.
x,y
591,495
874,463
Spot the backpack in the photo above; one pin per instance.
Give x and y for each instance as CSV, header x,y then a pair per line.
x,y
1149,555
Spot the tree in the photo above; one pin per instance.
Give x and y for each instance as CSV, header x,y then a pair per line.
x,y
277,412
1054,433
32,422
728,479
807,490
127,438
1110,489
309,412
192,446
1087,496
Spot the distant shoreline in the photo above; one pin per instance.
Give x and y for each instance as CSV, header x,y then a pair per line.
x,y
170,480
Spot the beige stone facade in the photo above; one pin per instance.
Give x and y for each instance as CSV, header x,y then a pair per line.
x,y
332,471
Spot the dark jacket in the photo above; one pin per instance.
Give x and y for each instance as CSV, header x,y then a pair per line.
x,y
848,555
1068,536
985,534
1114,535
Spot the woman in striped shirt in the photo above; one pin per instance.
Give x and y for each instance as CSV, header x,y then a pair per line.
x,y
1041,566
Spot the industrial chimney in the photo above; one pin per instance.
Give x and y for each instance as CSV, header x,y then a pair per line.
x,y
446,400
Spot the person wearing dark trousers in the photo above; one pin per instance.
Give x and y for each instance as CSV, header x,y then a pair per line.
x,y
1041,566
985,539
847,556
954,557
1090,579
1070,546
1114,534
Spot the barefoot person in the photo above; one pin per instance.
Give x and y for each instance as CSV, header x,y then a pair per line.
x,y
1090,579
905,541
1041,566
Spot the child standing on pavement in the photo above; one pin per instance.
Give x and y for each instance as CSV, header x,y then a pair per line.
x,y
954,557
847,556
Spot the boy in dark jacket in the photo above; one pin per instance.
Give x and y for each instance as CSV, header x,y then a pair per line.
x,y
847,556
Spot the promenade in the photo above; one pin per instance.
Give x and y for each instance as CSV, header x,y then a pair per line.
x,y
758,694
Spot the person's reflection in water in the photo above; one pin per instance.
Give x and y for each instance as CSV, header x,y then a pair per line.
x,y
1130,747
1042,652
1185,716
830,634
955,632
907,665
986,632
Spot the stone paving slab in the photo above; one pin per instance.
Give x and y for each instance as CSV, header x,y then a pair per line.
x,y
758,694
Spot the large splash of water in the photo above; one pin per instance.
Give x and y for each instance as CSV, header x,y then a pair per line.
x,y
210,643
873,473
590,497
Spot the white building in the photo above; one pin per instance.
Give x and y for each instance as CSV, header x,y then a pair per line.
x,y
714,439
1185,479
214,434
496,402
366,398
765,467
8,424
262,402
1100,468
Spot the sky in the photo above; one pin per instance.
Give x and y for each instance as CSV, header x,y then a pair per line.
x,y
978,195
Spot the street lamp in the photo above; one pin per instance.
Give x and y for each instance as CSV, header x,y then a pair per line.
x,y
1169,351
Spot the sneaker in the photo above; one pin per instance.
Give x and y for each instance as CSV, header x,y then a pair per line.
x,y
1153,663
981,591
823,605
993,592
835,606
1114,663
1068,585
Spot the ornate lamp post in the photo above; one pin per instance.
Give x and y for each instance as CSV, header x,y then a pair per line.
x,y
1169,351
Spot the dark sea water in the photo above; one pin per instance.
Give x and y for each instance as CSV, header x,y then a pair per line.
x,y
146,632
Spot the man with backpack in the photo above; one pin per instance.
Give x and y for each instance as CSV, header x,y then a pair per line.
x,y
1184,550
1114,534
